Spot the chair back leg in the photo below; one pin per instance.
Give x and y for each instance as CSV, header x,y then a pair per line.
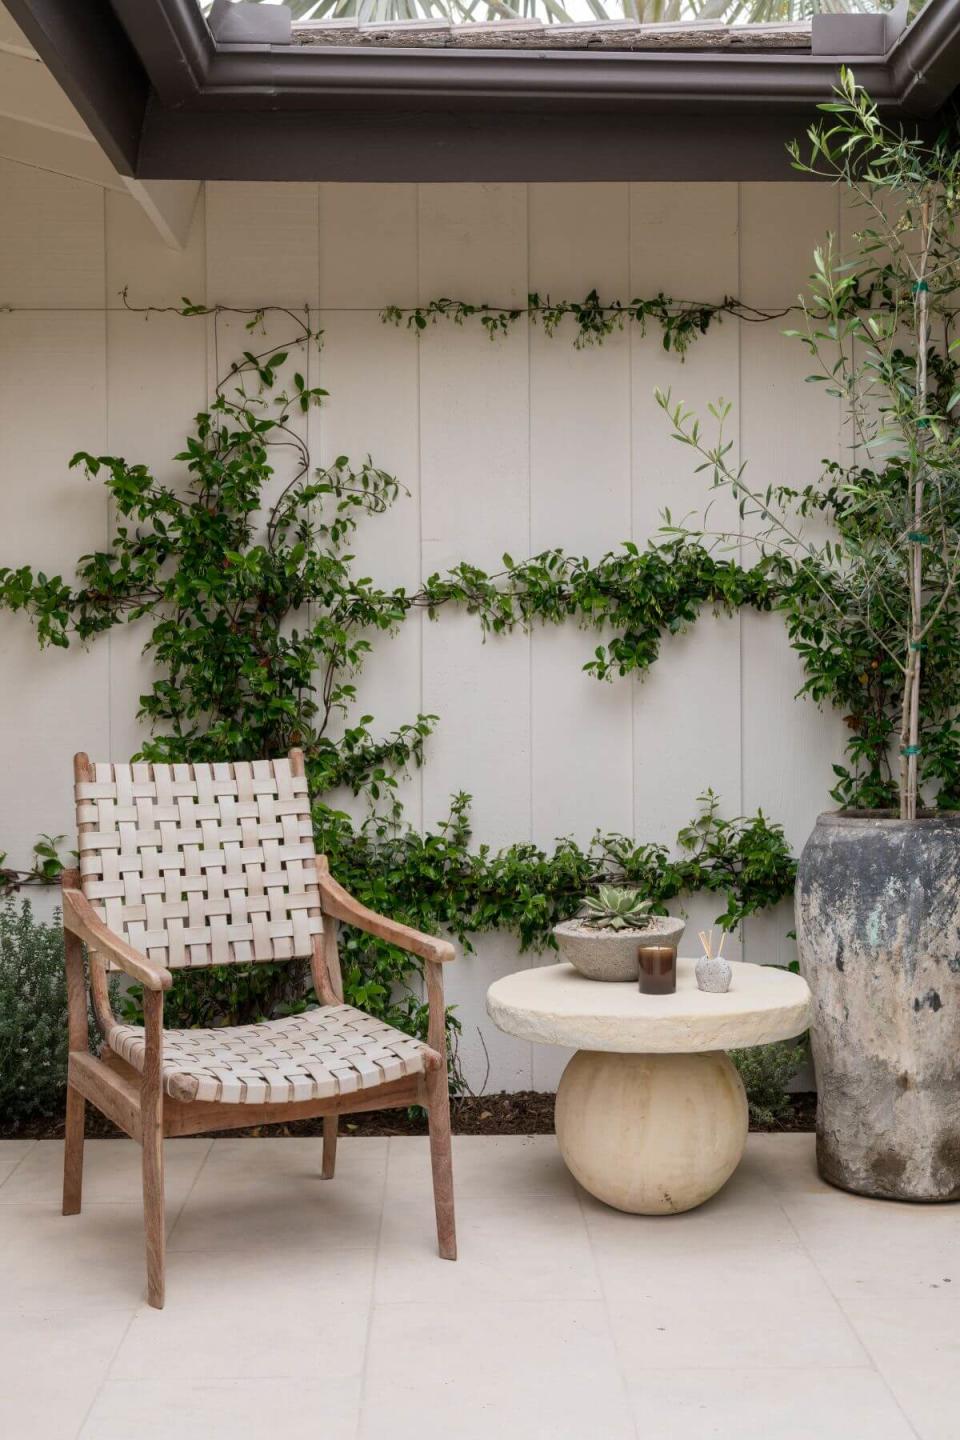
x,y
330,1126
73,1152
441,1160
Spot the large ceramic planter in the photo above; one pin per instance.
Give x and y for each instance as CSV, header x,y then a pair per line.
x,y
878,928
613,955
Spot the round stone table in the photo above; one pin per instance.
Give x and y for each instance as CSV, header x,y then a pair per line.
x,y
651,1113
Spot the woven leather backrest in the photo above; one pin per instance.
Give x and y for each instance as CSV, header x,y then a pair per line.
x,y
201,864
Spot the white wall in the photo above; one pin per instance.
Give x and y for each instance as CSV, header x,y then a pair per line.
x,y
511,446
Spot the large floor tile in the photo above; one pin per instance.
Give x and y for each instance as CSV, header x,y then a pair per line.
x,y
512,1370
269,1195
264,1275
274,1335
743,1217
730,1310
51,1366
249,1409
787,1163
111,1172
915,1345
529,1247
251,1161
766,1405
12,1154
880,1248
484,1166
74,1263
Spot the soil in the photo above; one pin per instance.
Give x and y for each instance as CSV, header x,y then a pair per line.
x,y
527,1112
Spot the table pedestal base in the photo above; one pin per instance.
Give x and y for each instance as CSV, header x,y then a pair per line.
x,y
651,1134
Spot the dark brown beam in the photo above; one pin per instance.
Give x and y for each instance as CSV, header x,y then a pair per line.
x,y
94,63
925,61
174,43
298,78
449,146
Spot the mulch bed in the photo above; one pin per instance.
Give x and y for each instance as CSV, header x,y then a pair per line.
x,y
527,1112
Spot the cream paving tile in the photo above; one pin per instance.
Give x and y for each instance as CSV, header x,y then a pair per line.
x,y
915,1345
51,1367
77,1263
12,1154
484,1166
252,1160
766,1404
881,1248
474,1370
787,1163
528,1247
727,1310
743,1216
111,1172
246,1409
226,1278
271,1331
304,1213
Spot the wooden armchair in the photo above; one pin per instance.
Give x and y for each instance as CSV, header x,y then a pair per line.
x,y
193,865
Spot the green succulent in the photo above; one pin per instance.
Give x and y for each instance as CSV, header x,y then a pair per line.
x,y
613,909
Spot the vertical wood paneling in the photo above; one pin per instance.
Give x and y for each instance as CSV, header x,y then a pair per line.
x,y
581,730
138,261
156,383
788,429
368,258
686,709
579,500
52,702
262,244
516,445
51,239
475,497
262,248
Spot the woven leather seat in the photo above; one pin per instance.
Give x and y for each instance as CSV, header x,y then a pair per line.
x,y
333,1050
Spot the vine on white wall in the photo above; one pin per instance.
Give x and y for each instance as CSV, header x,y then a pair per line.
x,y
258,627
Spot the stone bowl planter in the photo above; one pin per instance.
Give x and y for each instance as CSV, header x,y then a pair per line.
x,y
613,954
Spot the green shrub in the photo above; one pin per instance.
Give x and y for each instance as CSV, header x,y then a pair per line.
x,y
766,1071
33,1016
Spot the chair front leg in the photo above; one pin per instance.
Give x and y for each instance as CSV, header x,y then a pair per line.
x,y
78,1039
151,1120
437,1100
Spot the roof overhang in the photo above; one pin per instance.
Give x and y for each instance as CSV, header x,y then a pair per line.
x,y
167,100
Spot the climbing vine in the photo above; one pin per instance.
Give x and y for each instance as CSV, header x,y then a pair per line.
x,y
680,322
257,626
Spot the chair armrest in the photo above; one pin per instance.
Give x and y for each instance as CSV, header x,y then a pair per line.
x,y
342,906
80,918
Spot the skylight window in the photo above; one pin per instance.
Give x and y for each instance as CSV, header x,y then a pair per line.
x,y
566,12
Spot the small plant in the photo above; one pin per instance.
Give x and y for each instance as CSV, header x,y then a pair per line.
x,y
613,909
33,1016
766,1071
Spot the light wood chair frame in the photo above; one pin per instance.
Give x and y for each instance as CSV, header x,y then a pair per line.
x,y
136,1102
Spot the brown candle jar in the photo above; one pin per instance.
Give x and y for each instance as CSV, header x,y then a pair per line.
x,y
658,969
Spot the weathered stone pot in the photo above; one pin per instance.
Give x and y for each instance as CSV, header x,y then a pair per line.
x,y
613,954
878,928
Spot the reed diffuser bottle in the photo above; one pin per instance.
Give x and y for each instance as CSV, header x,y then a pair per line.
x,y
713,972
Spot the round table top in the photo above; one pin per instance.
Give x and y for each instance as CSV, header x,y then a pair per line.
x,y
556,1005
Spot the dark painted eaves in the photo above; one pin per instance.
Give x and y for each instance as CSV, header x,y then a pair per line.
x,y
374,113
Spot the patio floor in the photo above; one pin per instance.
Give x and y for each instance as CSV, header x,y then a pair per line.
x,y
782,1310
